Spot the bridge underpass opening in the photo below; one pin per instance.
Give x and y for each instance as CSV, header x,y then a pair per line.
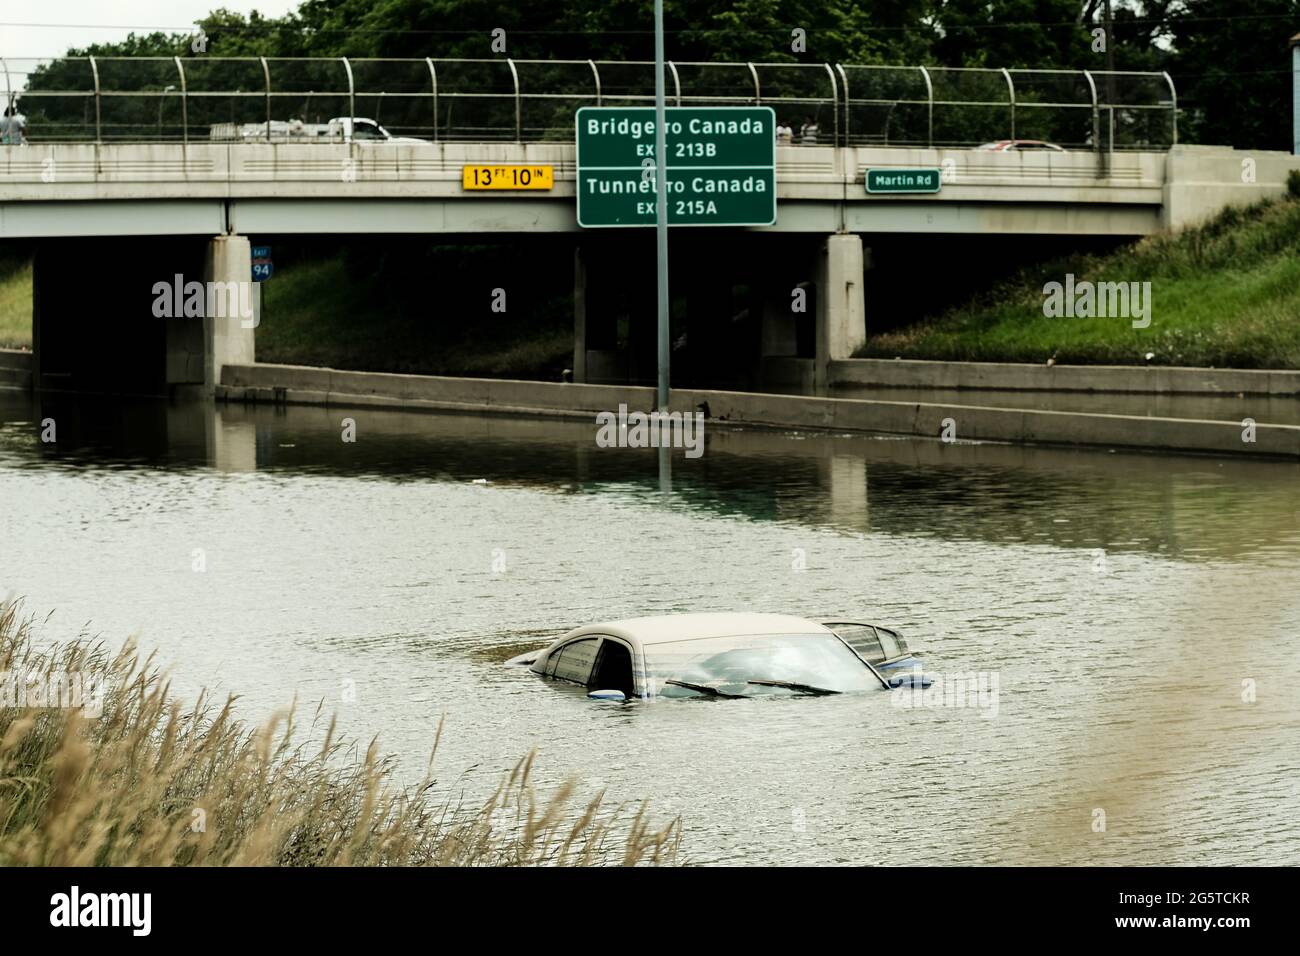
x,y
739,298
527,306
455,304
93,322
746,304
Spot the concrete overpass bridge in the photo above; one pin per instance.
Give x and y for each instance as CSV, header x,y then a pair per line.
x,y
129,145
130,153
67,189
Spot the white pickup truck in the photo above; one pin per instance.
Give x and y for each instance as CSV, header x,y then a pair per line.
x,y
341,129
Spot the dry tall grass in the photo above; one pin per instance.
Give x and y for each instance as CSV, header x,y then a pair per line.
x,y
153,783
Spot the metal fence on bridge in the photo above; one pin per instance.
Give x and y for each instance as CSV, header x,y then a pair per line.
x,y
174,99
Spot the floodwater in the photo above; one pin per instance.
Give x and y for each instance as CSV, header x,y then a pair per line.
x,y
1140,615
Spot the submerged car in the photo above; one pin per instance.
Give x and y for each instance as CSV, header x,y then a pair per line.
x,y
727,656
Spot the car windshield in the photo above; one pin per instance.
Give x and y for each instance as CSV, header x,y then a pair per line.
x,y
783,663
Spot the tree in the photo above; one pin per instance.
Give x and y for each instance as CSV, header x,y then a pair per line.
x,y
1231,64
1228,58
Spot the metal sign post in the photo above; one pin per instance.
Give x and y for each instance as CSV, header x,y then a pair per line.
x,y
661,206
1295,92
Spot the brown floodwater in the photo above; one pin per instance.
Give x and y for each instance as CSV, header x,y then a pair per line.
x,y
1140,615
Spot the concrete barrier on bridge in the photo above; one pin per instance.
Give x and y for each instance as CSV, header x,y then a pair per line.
x,y
962,423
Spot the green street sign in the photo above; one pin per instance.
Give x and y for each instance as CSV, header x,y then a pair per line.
x,y
903,180
721,166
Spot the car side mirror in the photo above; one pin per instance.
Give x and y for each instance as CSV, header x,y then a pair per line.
x,y
910,679
607,695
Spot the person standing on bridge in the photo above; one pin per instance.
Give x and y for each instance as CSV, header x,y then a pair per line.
x,y
808,133
784,134
12,128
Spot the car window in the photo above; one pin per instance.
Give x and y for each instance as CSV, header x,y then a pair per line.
x,y
890,643
614,668
574,660
366,131
864,639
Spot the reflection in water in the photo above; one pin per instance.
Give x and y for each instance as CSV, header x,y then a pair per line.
x,y
1126,602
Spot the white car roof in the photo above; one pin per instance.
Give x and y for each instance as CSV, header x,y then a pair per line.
x,y
691,627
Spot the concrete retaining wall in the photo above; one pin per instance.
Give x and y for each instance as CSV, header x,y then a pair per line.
x,y
1201,180
1007,376
310,385
299,384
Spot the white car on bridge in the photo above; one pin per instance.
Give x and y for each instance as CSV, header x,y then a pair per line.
x,y
341,129
727,655
1021,145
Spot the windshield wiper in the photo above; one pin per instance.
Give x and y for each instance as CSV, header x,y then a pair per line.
x,y
704,689
794,685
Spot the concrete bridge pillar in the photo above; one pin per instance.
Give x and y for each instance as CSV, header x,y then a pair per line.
x,y
786,334
600,357
198,348
779,333
229,338
841,309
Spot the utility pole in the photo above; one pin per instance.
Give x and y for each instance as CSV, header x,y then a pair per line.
x,y
1110,42
1110,84
661,207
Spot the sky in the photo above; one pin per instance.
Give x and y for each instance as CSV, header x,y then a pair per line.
x,y
46,28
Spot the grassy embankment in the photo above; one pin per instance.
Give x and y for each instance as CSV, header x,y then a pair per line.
x,y
153,783
15,302
1226,294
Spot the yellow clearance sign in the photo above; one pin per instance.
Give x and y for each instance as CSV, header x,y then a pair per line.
x,y
503,176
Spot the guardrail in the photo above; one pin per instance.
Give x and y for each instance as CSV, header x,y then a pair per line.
x,y
175,99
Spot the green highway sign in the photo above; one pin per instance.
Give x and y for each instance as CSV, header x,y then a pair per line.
x,y
721,166
903,180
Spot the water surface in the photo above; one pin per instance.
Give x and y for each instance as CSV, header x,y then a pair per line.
x,y
1125,602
